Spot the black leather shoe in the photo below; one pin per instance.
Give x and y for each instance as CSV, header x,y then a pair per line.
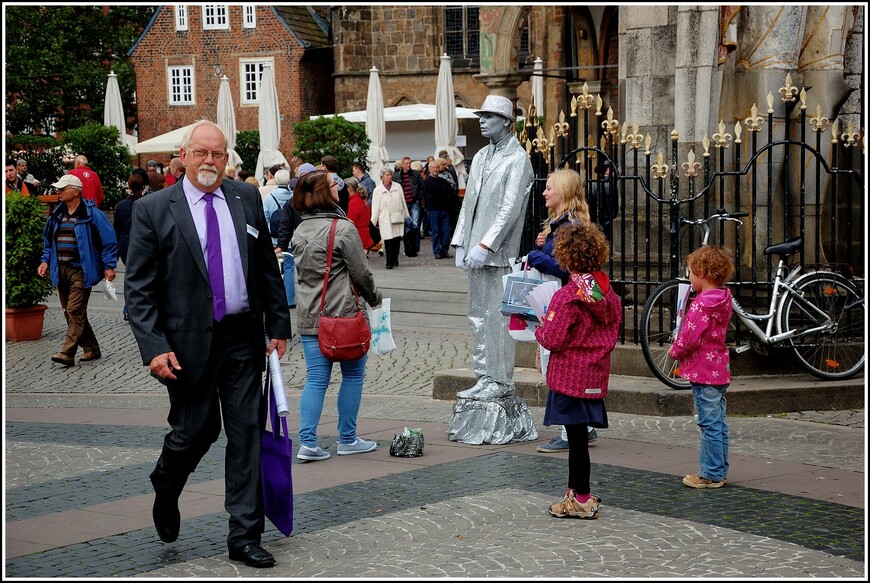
x,y
253,555
167,518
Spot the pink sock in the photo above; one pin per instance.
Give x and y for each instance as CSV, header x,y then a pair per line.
x,y
582,498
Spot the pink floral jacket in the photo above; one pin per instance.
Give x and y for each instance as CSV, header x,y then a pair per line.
x,y
580,329
700,345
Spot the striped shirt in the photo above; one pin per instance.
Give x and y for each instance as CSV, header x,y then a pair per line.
x,y
65,240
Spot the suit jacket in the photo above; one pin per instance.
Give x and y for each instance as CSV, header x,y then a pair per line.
x,y
169,297
494,208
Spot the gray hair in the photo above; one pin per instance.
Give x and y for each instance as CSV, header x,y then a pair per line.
x,y
185,140
282,177
386,169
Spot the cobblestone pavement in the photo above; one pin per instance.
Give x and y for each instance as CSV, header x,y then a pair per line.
x,y
80,442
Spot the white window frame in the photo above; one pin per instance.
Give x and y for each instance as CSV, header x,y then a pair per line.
x,y
180,17
176,75
249,16
215,17
246,88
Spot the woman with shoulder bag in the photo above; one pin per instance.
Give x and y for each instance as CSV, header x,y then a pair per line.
x,y
389,211
316,199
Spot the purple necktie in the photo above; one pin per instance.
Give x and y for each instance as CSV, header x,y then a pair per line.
x,y
214,257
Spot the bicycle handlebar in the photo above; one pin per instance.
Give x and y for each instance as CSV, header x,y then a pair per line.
x,y
721,215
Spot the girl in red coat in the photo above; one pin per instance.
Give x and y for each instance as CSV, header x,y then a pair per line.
x,y
359,213
580,330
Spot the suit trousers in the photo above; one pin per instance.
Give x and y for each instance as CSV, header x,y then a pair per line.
x,y
494,349
232,385
74,298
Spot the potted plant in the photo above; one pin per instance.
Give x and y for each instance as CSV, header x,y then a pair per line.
x,y
24,289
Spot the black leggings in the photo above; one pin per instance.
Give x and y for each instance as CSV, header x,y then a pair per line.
x,y
579,466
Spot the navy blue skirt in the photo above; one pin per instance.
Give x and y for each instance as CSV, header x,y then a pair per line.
x,y
564,410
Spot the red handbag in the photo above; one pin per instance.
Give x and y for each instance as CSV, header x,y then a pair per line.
x,y
341,338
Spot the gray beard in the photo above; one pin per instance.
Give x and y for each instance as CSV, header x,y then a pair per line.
x,y
206,178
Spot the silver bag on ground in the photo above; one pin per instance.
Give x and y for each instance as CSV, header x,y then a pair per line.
x,y
409,443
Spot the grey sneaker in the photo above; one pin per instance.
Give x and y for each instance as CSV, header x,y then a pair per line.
x,y
554,445
312,454
593,435
359,446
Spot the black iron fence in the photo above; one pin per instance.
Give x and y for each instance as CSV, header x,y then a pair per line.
x,y
799,179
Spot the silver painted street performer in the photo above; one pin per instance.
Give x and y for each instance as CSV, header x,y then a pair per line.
x,y
487,239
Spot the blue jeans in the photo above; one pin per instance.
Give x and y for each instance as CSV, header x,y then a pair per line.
x,y
439,223
710,407
412,230
290,279
311,404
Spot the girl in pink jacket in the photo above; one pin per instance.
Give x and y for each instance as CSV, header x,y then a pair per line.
x,y
580,329
704,362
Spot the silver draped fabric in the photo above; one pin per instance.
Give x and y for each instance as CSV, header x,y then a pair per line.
x,y
494,349
495,421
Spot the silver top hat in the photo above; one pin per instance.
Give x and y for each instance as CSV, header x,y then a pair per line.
x,y
498,105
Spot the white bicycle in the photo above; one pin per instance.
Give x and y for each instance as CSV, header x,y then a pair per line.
x,y
819,315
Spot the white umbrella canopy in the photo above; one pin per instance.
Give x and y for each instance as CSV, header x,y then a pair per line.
x,y
538,87
226,120
270,124
113,112
378,157
446,126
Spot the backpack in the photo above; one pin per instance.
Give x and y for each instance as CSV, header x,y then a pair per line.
x,y
275,217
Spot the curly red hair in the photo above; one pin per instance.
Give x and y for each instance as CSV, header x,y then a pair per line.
x,y
713,263
581,247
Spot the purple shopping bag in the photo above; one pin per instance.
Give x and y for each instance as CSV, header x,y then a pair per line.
x,y
275,467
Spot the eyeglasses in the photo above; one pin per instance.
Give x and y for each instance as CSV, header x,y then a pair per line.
x,y
335,184
217,156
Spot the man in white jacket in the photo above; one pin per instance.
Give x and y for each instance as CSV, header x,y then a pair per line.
x,y
487,238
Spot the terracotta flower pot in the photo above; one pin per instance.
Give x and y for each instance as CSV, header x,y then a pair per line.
x,y
25,323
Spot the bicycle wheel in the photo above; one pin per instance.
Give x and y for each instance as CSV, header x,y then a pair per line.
x,y
657,332
835,353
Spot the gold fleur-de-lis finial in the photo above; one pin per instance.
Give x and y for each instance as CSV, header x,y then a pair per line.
x,y
769,102
648,143
552,142
788,91
850,138
721,138
574,106
834,125
754,121
660,169
803,96
738,131
598,103
706,143
611,125
584,101
528,147
818,122
561,126
691,167
591,153
624,133
635,138
541,142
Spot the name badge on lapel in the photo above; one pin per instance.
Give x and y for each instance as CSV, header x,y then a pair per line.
x,y
252,231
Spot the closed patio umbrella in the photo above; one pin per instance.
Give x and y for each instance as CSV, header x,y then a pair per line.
x,y
446,126
538,87
113,112
270,124
376,131
226,120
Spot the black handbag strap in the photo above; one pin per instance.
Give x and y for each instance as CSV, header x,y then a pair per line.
x,y
329,266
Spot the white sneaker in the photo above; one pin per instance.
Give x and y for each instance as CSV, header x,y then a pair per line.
x,y
312,454
359,446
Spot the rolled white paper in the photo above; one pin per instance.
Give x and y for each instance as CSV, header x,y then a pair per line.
x,y
277,383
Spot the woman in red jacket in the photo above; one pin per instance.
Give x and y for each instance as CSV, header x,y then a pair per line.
x,y
359,212
580,330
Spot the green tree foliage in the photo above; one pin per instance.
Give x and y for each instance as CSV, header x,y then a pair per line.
x,y
248,149
109,159
346,140
58,59
25,223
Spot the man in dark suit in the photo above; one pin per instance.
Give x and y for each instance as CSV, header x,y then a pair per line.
x,y
205,341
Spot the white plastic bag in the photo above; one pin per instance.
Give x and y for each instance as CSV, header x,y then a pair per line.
x,y
109,290
382,329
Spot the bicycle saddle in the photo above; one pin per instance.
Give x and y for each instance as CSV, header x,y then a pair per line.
x,y
786,247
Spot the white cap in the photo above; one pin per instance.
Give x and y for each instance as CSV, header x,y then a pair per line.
x,y
68,180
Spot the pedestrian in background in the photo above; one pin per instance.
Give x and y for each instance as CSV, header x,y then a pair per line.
x,y
704,361
388,201
156,180
80,250
92,186
13,180
580,330
316,199
28,178
566,204
204,297
124,220
359,213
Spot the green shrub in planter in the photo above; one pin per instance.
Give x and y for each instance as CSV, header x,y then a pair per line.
x,y
25,222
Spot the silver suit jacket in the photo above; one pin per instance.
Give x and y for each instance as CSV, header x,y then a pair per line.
x,y
494,208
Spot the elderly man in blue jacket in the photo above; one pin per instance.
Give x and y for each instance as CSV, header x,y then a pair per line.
x,y
80,250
